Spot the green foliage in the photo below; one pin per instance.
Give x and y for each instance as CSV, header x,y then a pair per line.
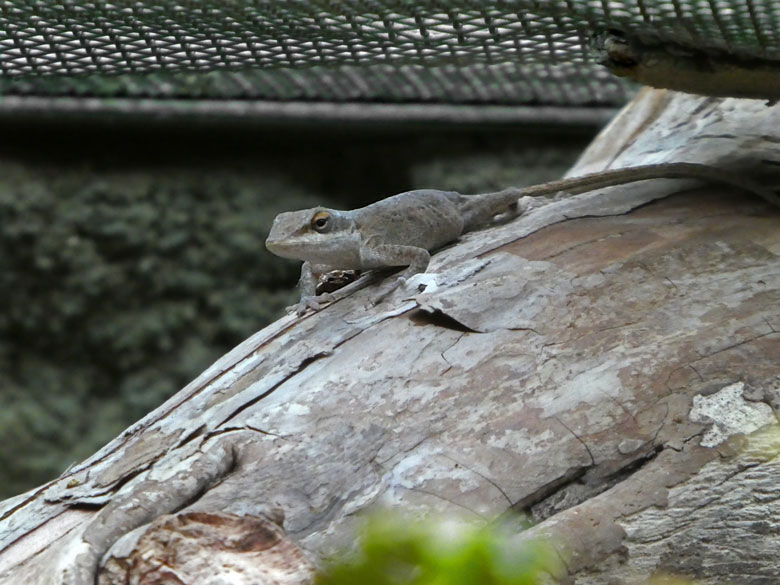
x,y
395,551
118,288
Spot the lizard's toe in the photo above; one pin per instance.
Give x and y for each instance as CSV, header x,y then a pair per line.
x,y
310,302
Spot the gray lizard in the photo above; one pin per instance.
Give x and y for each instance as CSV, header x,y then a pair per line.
x,y
403,229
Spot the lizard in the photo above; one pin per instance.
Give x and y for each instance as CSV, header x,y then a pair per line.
x,y
402,230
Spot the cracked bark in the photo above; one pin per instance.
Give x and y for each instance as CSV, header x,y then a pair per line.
x,y
552,372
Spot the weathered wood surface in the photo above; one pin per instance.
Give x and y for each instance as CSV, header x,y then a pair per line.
x,y
595,363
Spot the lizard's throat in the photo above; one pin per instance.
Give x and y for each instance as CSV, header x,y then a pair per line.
x,y
336,252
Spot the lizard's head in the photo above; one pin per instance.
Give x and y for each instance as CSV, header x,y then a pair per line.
x,y
319,235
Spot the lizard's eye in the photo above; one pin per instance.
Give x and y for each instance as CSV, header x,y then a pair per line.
x,y
321,221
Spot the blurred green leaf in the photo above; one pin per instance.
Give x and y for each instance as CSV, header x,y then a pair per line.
x,y
395,551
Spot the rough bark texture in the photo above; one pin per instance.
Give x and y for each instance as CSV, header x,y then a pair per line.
x,y
607,363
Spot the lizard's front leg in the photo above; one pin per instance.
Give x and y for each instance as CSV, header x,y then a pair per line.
x,y
307,284
387,255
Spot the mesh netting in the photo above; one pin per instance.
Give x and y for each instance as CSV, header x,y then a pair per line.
x,y
458,51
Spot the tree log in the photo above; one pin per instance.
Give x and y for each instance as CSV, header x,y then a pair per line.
x,y
607,363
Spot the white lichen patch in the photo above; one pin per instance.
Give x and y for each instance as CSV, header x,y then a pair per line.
x,y
427,282
729,414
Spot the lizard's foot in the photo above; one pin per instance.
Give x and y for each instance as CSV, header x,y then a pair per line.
x,y
310,302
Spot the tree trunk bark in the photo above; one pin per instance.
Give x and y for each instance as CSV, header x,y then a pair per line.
x,y
606,363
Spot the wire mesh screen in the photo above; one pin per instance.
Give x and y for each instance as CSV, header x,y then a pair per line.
x,y
458,51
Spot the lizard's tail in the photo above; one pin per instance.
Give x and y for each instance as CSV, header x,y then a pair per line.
x,y
682,170
478,210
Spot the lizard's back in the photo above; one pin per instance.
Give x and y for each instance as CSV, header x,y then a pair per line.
x,y
425,218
